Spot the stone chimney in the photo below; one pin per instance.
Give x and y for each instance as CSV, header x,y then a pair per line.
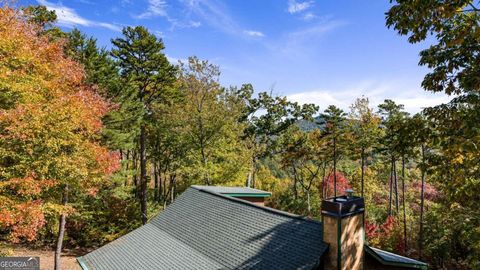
x,y
343,230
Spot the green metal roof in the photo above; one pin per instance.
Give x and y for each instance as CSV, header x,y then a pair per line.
x,y
387,258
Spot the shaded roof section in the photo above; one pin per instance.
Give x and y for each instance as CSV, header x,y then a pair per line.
x,y
236,191
206,230
387,258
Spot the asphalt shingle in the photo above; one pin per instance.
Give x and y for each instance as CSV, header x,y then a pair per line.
x,y
205,230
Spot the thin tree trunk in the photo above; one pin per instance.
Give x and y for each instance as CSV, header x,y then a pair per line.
x,y
143,175
397,205
404,207
126,166
160,185
173,184
334,167
323,180
391,188
155,177
135,176
308,203
61,230
363,169
422,198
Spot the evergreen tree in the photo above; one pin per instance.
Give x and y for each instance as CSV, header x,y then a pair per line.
x,y
149,76
334,119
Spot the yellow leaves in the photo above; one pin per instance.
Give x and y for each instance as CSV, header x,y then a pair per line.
x,y
50,126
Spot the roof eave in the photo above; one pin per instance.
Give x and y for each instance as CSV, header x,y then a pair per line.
x,y
82,263
384,262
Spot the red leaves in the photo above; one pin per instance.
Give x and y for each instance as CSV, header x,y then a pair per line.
x,y
50,127
342,184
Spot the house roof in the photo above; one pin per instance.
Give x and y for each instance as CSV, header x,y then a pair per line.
x,y
236,191
387,258
204,229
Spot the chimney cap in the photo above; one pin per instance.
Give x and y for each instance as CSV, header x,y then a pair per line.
x,y
343,206
349,193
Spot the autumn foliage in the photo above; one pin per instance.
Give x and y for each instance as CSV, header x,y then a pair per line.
x,y
50,123
342,184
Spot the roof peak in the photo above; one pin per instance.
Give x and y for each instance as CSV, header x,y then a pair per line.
x,y
264,208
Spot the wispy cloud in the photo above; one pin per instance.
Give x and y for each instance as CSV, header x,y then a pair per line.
x,y
68,17
414,100
214,13
253,33
309,16
303,42
156,8
296,7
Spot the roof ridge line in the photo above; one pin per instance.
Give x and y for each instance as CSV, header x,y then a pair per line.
x,y
264,208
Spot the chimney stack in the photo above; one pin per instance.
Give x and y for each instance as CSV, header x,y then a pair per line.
x,y
343,230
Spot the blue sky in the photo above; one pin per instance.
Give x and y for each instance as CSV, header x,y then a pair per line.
x,y
325,52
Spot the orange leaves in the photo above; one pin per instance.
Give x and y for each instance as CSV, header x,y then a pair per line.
x,y
50,124
24,220
28,186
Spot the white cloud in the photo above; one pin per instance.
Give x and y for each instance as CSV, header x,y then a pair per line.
x,y
156,8
296,7
414,100
68,17
309,16
194,24
253,33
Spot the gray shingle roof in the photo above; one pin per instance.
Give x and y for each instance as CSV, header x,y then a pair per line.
x,y
206,230
235,191
388,258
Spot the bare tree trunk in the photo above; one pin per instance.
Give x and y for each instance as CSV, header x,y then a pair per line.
x,y
404,207
323,179
308,203
160,185
363,169
422,199
135,176
155,177
397,205
126,166
61,230
334,167
173,186
391,188
143,175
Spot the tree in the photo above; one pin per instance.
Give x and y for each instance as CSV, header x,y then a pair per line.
x,y
210,120
453,60
334,119
422,135
147,73
266,118
365,127
303,158
50,123
393,117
